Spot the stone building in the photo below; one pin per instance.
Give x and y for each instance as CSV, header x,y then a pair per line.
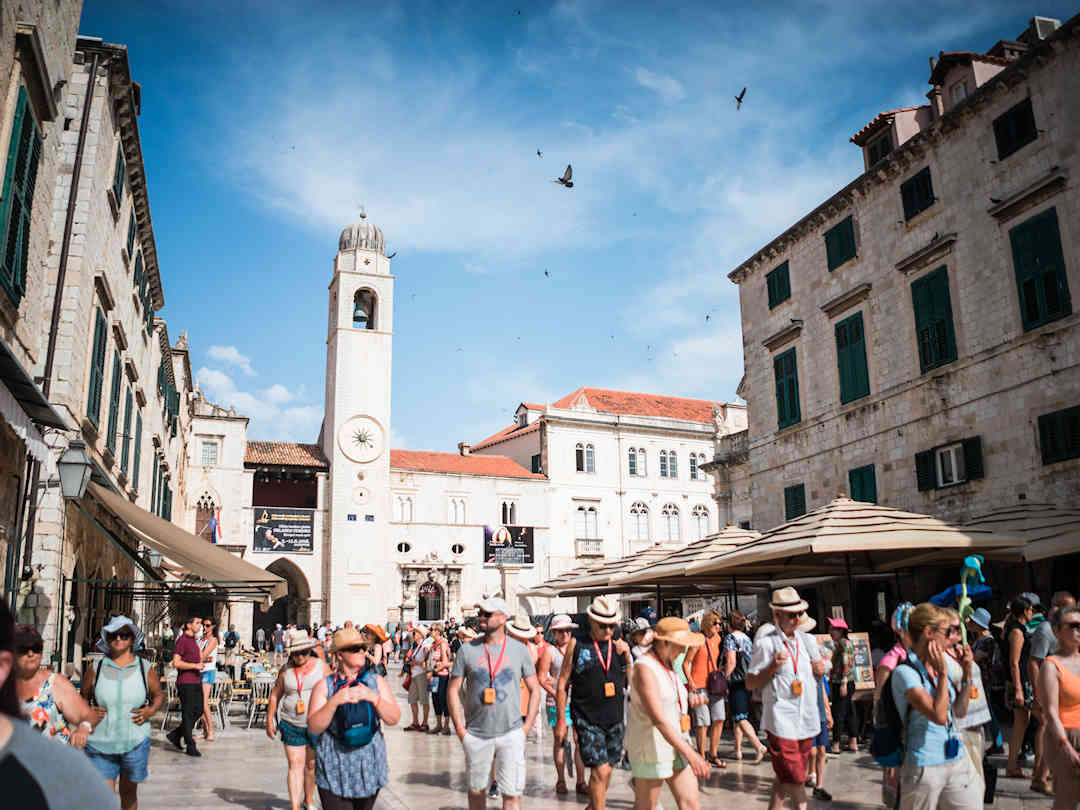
x,y
37,39
912,340
114,376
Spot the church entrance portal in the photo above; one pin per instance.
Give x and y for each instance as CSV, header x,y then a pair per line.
x,y
431,602
294,608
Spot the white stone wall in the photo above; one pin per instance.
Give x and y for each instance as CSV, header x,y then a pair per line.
x,y
1003,379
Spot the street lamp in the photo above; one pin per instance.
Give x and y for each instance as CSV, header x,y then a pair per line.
x,y
74,468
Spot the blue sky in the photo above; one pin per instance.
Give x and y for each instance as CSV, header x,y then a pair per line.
x,y
266,125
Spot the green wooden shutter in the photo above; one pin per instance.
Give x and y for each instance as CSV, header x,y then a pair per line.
x,y
114,404
1059,435
862,484
125,450
131,234
138,451
840,243
1040,270
779,285
925,475
153,486
1015,129
973,458
934,332
786,374
97,370
20,179
119,173
851,359
794,501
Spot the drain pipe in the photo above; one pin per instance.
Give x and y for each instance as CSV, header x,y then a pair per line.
x,y
58,300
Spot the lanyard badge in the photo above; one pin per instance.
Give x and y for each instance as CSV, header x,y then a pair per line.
x,y
796,685
609,687
489,692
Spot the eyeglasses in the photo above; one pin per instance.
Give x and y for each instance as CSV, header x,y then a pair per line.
x,y
207,624
952,630
123,635
484,614
31,648
1074,626
354,649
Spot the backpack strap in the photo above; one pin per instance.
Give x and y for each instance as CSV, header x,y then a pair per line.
x,y
146,686
97,678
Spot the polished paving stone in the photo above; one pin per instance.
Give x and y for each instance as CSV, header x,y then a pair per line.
x,y
244,769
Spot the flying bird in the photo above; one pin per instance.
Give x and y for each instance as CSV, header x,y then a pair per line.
x,y
517,12
539,154
739,98
707,317
565,179
392,255
547,274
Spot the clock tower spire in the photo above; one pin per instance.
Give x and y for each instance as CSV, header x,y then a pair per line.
x,y
356,430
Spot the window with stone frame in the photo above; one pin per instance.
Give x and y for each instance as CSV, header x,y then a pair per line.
x,y
639,522
700,518
669,524
508,513
97,368
205,510
17,202
586,523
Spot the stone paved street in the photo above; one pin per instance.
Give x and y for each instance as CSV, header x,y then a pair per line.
x,y
244,769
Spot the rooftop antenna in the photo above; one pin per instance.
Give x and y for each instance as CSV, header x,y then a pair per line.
x,y
363,214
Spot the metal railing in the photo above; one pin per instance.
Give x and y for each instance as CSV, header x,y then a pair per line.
x,y
589,547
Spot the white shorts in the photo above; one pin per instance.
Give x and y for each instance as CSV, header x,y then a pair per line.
x,y
508,752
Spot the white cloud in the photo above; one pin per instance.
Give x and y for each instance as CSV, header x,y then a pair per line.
x,y
231,357
266,407
669,89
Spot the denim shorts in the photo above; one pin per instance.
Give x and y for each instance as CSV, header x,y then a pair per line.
x,y
295,735
207,676
131,764
552,714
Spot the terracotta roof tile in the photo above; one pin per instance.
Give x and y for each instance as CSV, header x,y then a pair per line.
x,y
428,461
286,454
625,402
946,60
879,121
510,431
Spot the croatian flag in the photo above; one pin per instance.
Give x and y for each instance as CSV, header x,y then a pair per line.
x,y
215,527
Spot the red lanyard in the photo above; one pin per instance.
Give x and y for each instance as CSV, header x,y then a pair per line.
x,y
795,656
605,664
498,663
299,682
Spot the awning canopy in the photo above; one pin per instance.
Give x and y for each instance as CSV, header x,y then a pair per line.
x,y
670,569
212,565
25,391
851,537
1047,530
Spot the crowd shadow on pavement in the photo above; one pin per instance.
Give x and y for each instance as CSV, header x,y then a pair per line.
x,y
252,799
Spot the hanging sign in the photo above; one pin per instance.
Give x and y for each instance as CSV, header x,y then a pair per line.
x,y
508,545
284,530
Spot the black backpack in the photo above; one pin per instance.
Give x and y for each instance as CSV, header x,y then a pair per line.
x,y
887,742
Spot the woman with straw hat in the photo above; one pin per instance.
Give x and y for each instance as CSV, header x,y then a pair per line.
x,y
657,734
348,772
287,713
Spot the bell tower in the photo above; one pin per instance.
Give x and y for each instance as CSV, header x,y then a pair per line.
x,y
356,428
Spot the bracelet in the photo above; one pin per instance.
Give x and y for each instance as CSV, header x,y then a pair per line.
x,y
88,724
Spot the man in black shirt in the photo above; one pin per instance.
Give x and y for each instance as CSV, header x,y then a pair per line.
x,y
595,673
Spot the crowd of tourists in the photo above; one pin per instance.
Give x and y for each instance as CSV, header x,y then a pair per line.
x,y
649,696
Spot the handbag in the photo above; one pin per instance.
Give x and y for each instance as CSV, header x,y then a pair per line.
x,y
716,683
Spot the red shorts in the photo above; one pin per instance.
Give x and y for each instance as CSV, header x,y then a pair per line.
x,y
789,758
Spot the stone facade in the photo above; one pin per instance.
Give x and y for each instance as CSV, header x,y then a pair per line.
x,y
1003,378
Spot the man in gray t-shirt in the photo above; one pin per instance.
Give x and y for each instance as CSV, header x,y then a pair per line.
x,y
489,725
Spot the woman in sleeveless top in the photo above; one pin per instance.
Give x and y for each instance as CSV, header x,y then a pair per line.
x,y
47,698
738,649
1019,695
547,674
656,737
208,644
1059,682
350,778
287,711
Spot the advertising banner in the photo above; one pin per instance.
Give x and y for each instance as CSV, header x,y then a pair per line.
x,y
508,545
864,669
283,529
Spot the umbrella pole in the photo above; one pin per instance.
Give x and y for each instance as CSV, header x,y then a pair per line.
x,y
734,593
659,614
850,588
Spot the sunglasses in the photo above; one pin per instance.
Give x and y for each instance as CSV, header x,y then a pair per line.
x,y
31,648
300,654
1074,626
952,630
123,635
353,649
484,614
207,624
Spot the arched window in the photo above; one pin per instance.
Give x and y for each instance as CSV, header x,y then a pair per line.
x,y
669,523
457,510
205,512
430,597
639,521
364,305
509,513
700,515
590,459
673,465
663,464
403,509
579,457
586,525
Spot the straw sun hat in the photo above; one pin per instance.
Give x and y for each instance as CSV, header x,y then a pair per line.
x,y
520,628
299,640
346,637
603,611
674,630
788,600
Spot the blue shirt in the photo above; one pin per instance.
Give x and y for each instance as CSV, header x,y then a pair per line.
x,y
925,740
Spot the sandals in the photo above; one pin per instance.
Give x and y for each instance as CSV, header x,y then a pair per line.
x,y
759,755
1019,773
715,761
411,727
581,788
560,787
1042,787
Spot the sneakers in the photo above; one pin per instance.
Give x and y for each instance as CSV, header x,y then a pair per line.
x,y
493,791
192,751
821,794
174,737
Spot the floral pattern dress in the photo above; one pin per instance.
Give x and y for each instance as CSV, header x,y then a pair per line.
x,y
44,712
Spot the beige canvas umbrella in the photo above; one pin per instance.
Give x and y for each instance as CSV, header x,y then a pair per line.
x,y
670,569
551,587
847,537
598,577
1047,530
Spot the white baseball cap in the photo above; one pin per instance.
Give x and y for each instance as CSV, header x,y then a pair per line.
x,y
494,604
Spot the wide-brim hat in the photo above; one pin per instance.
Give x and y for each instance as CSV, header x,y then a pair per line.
x,y
562,622
788,600
838,623
981,617
346,637
299,640
603,611
520,628
377,631
677,631
114,625
807,624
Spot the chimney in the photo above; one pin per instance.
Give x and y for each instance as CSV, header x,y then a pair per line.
x,y
937,108
464,448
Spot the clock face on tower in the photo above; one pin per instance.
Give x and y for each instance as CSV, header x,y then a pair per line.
x,y
361,439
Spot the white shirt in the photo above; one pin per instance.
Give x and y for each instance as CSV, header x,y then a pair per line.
x,y
786,715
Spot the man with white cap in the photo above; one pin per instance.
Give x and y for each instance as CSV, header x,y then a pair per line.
x,y
784,665
547,671
594,676
489,725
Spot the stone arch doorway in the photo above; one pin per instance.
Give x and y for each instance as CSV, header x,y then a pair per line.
x,y
430,597
293,608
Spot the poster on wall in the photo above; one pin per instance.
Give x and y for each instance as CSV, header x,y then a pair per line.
x,y
864,668
508,545
283,529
